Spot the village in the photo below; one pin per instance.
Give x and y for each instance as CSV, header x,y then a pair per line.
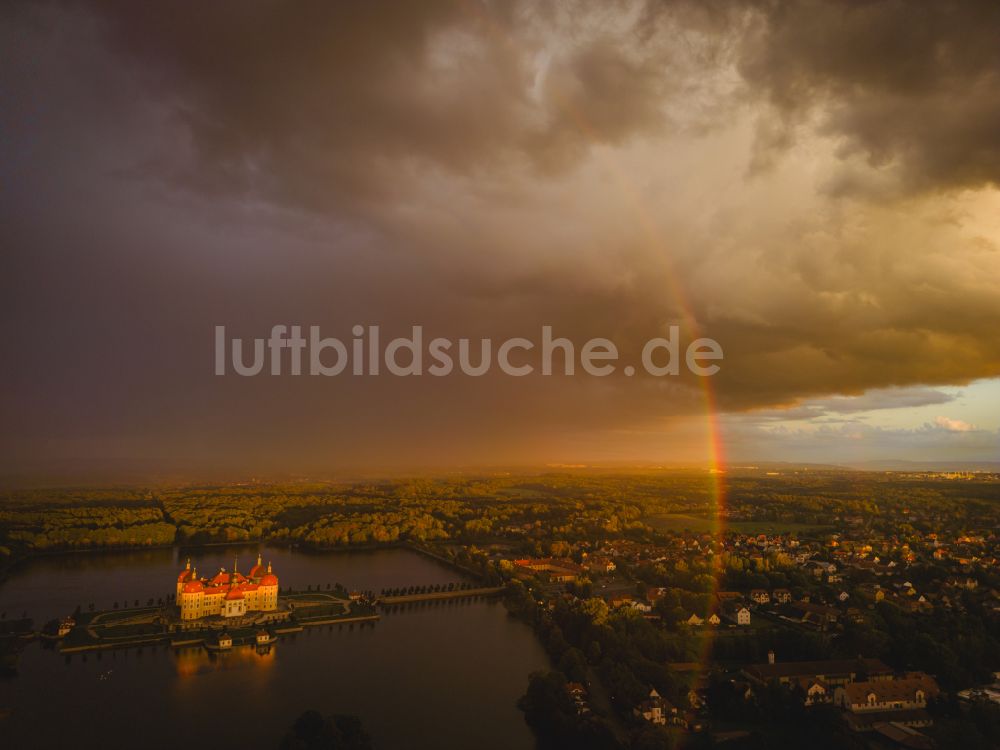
x,y
742,596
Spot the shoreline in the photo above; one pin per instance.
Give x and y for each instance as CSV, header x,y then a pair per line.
x,y
17,562
200,642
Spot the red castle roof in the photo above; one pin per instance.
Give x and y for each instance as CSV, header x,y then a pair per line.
x,y
233,586
257,570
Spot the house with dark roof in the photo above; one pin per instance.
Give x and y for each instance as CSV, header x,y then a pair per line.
x,y
901,735
809,614
736,612
901,702
832,672
656,709
912,691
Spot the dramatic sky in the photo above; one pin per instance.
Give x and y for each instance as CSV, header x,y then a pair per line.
x,y
815,185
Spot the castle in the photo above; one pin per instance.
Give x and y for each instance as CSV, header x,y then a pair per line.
x,y
226,594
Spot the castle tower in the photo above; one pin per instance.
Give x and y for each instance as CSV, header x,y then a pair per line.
x,y
184,577
257,571
268,600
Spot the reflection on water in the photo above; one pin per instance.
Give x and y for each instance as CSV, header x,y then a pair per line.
x,y
192,662
441,675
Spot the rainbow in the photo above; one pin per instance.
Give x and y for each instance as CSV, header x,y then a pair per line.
x,y
714,447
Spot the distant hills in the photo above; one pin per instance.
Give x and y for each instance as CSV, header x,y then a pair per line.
x,y
128,473
887,464
943,465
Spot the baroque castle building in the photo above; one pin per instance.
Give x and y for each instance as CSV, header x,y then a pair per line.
x,y
227,594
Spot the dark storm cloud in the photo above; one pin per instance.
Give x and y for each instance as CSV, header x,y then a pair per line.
x,y
334,105
341,103
873,400
912,87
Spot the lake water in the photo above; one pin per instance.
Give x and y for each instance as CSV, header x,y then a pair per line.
x,y
433,675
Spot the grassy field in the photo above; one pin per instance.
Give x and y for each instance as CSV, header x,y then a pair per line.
x,y
681,522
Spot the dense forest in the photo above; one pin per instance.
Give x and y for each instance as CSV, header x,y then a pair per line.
x,y
536,508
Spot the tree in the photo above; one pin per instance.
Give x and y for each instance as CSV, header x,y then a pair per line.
x,y
312,731
594,652
596,609
550,712
573,665
547,705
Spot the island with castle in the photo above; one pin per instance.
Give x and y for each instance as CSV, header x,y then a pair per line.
x,y
229,594
228,609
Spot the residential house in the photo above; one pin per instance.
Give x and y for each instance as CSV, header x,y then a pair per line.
x,y
559,571
856,616
656,709
579,695
817,616
736,612
901,701
816,690
728,596
912,691
873,592
600,564
900,735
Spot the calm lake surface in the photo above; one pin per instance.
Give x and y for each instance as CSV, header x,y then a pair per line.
x,y
434,675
